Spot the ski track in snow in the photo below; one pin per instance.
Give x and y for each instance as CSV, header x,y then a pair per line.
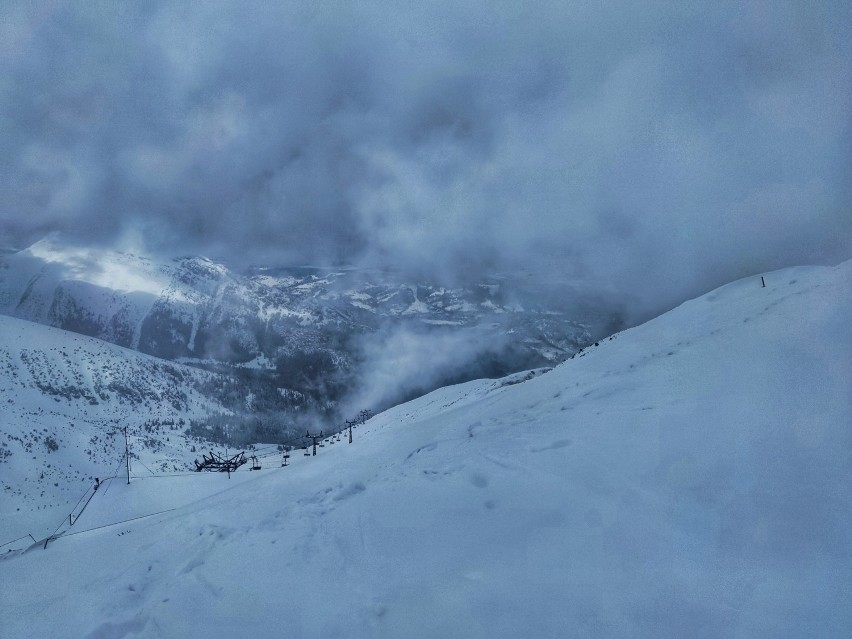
x,y
688,477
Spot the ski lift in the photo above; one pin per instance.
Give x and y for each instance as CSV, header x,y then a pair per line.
x,y
285,458
307,452
255,463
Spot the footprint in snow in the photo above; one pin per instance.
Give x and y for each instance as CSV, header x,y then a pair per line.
x,y
352,489
426,448
559,443
117,630
192,565
480,481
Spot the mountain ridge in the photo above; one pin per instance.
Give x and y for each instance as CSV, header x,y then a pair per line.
x,y
685,477
314,330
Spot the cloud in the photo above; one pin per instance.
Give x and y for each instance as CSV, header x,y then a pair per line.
x,y
403,362
651,149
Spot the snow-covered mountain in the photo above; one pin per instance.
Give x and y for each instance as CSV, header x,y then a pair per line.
x,y
689,477
66,399
309,330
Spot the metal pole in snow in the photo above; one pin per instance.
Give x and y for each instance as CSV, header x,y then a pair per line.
x,y
313,439
127,454
762,282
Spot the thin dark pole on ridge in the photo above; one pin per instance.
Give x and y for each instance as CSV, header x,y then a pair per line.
x,y
127,454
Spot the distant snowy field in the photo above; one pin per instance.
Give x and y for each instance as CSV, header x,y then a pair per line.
x,y
689,477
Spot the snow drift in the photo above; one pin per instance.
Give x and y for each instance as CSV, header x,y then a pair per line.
x,y
689,477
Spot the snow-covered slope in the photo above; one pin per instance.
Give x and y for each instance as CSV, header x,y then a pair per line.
x,y
65,399
687,478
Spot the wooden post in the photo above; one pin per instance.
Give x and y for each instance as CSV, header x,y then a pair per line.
x,y
762,282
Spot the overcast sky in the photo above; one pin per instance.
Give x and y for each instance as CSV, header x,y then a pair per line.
x,y
655,149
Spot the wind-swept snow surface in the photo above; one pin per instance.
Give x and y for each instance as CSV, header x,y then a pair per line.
x,y
686,478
